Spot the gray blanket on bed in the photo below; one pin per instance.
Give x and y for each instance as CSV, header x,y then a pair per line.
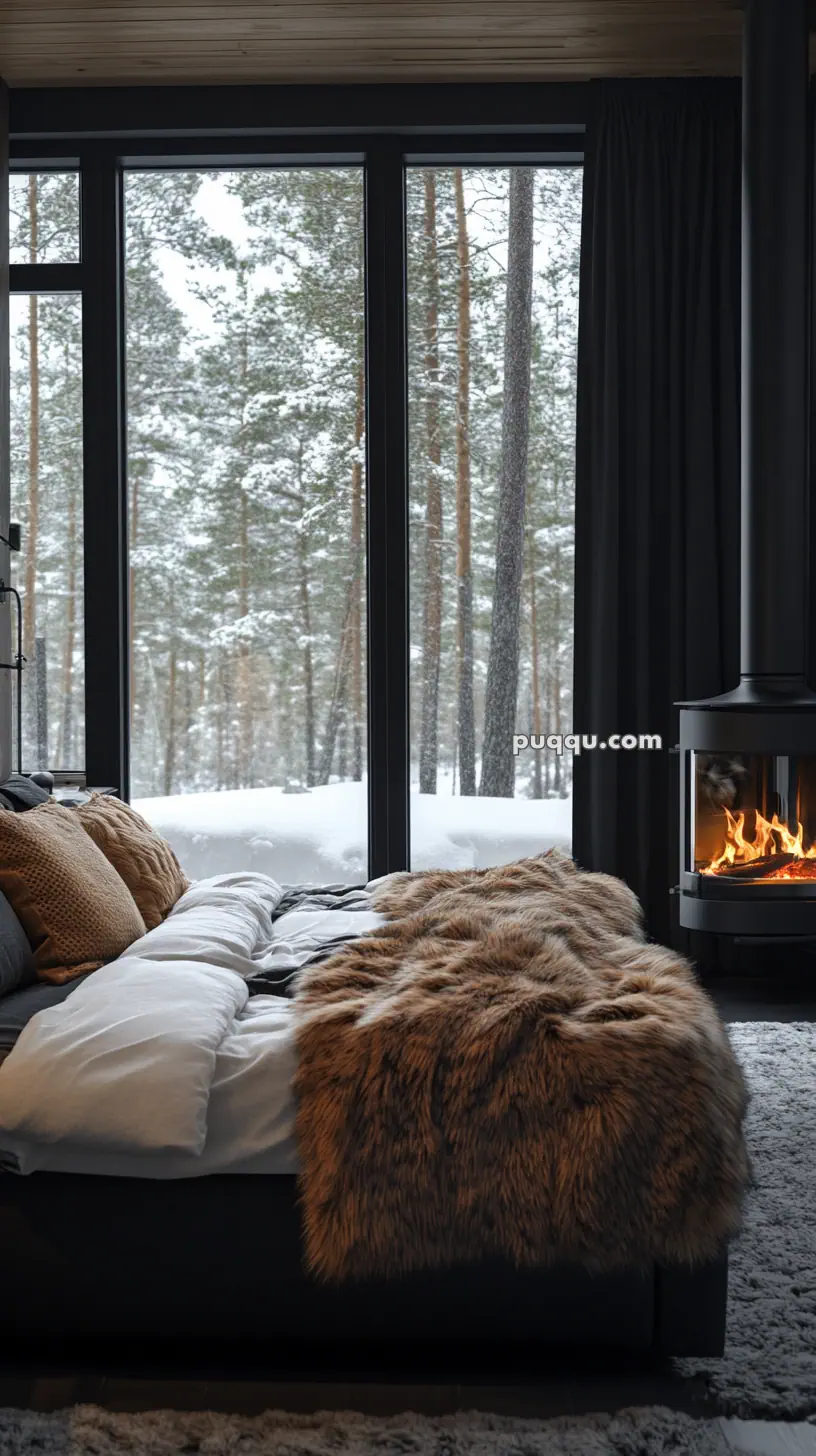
x,y
279,981
18,1007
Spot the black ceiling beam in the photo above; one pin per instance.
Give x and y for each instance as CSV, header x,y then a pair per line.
x,y
111,112
437,149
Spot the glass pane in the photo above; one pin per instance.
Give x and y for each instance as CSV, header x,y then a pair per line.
x,y
246,476
46,498
754,819
493,259
44,221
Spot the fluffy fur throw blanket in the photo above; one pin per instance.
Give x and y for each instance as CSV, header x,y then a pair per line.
x,y
507,1068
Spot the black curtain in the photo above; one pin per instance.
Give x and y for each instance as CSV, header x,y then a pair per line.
x,y
657,490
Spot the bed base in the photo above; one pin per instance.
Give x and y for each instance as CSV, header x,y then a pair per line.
x,y
126,1259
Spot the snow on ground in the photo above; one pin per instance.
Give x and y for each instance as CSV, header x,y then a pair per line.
x,y
320,836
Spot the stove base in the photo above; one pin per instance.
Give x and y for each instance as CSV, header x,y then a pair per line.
x,y
778,918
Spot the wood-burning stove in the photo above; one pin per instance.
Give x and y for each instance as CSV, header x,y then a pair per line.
x,y
748,757
748,827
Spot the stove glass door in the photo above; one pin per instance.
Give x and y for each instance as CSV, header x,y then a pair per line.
x,y
754,817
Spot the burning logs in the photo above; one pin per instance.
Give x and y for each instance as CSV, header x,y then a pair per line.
x,y
768,867
774,853
756,869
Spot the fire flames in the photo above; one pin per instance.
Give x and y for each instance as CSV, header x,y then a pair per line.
x,y
775,853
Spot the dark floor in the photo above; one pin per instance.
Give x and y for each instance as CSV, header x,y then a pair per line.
x,y
767,998
544,1388
537,1385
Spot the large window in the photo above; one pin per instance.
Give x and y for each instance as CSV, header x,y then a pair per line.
x,y
245,396
293,427
493,321
46,476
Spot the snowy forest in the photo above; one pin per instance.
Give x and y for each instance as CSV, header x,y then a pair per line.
x,y
246,476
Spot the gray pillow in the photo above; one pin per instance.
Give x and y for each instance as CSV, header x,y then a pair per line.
x,y
16,960
17,1009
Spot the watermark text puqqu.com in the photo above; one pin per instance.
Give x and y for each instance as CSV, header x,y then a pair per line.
x,y
580,742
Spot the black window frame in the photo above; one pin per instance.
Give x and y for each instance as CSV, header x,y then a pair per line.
x,y
103,132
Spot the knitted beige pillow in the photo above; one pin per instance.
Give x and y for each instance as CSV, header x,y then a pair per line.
x,y
75,909
144,860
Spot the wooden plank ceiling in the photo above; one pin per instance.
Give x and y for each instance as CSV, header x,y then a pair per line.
x,y
60,42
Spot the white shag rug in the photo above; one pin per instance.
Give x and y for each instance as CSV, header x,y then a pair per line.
x,y
89,1431
768,1371
769,1367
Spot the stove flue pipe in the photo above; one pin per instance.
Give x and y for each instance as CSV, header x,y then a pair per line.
x,y
775,345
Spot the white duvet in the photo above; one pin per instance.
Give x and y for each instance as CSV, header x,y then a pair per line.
x,y
160,1065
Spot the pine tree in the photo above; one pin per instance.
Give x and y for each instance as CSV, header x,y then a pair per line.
x,y
432,627
498,764
34,707
466,726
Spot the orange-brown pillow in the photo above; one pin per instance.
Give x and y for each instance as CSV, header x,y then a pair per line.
x,y
144,860
75,909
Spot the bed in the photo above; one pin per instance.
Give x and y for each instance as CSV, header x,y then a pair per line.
x,y
218,1260
150,1191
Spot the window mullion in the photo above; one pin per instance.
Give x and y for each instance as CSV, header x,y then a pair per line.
x,y
387,510
105,516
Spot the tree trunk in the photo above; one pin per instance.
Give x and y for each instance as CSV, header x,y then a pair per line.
x,y
464,574
244,676
133,541
41,681
32,530
498,763
201,756
220,713
170,742
66,748
349,652
336,701
342,737
558,776
187,740
538,792
245,705
306,626
432,624
356,547
555,685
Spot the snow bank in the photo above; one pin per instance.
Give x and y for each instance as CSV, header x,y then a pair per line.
x,y
453,833
320,836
